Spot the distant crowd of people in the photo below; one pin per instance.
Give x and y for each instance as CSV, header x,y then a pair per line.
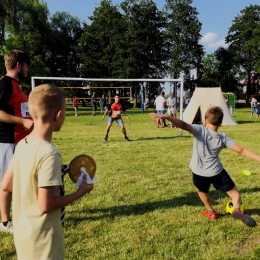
x,y
102,103
170,104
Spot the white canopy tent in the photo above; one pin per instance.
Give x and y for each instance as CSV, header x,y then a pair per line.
x,y
202,99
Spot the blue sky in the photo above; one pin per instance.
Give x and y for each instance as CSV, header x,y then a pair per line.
x,y
215,15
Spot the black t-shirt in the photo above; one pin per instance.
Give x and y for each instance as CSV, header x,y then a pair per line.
x,y
6,91
14,102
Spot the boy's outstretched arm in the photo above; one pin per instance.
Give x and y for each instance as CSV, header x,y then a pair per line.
x,y
179,123
245,152
47,201
104,115
127,117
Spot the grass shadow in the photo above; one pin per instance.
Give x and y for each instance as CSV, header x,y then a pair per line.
x,y
161,138
189,199
247,122
136,209
252,211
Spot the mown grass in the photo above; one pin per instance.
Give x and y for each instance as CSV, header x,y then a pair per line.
x,y
144,205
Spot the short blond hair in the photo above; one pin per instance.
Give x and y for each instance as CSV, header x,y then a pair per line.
x,y
214,115
14,57
44,100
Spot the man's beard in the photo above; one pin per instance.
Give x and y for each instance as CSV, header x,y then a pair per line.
x,y
21,75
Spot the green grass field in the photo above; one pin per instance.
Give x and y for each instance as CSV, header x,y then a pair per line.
x,y
144,205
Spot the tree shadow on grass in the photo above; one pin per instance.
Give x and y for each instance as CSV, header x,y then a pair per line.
x,y
248,122
136,209
160,138
189,199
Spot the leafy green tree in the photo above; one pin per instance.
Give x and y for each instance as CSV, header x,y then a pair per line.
x,y
244,42
2,67
226,70
65,32
30,35
146,50
7,12
209,72
101,46
218,70
124,45
183,35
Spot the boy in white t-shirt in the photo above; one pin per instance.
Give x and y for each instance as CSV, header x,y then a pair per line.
x,y
205,163
160,103
171,103
37,184
253,107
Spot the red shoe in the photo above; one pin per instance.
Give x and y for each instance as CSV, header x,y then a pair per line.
x,y
212,215
245,219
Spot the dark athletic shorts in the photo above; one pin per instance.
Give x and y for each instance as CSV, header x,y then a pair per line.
x,y
94,106
221,182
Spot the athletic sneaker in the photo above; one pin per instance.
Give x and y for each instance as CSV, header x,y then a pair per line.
x,y
127,139
105,138
7,228
212,215
245,219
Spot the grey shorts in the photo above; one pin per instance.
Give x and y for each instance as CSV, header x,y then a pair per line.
x,y
119,121
6,154
171,111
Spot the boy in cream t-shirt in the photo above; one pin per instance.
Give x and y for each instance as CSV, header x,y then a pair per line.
x,y
34,177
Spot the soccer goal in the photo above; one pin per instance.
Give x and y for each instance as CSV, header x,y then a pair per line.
x,y
33,79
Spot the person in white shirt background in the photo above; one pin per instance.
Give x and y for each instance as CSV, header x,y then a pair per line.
x,y
171,104
160,103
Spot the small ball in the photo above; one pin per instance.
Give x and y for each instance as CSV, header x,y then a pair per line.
x,y
230,208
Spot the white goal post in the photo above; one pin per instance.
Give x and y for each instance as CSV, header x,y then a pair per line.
x,y
118,80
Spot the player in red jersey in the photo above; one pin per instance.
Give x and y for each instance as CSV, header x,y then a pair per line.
x,y
115,115
15,121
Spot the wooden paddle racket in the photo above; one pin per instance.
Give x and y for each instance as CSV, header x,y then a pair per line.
x,y
79,161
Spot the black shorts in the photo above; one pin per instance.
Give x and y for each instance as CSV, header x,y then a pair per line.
x,y
94,106
221,182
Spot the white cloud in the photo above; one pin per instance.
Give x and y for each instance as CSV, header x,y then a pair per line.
x,y
209,37
217,44
210,41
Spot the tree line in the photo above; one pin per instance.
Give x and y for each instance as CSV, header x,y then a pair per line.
x,y
130,40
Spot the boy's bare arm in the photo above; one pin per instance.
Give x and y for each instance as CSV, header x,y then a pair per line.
x,y
104,114
127,117
7,182
179,123
245,152
47,201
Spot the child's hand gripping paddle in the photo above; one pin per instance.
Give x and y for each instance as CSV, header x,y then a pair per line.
x,y
80,165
